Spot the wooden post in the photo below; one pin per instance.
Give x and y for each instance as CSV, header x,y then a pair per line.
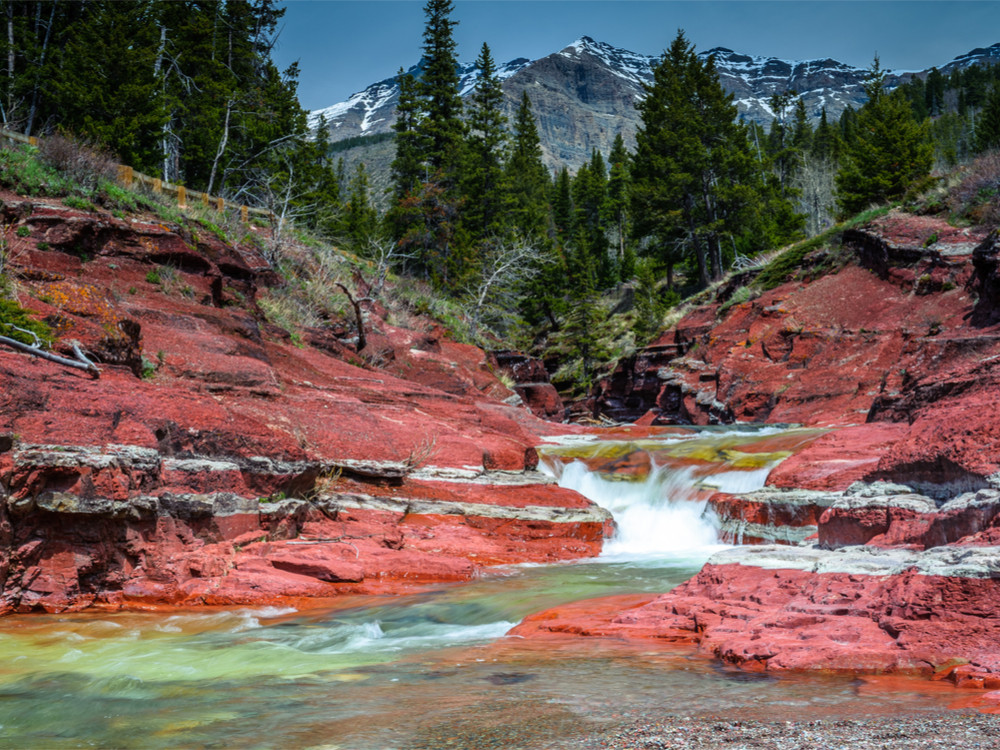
x,y
205,198
32,141
220,204
244,217
181,196
157,185
125,175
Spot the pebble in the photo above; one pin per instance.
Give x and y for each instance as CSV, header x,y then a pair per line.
x,y
952,730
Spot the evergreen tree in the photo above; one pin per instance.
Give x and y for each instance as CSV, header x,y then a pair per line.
x,y
825,142
802,132
695,180
589,201
407,166
934,92
988,123
360,216
108,90
616,206
442,125
888,152
526,178
484,174
562,207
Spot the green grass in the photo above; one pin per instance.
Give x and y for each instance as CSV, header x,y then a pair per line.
x,y
786,265
23,173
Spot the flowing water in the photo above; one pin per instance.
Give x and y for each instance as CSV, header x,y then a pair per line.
x,y
430,670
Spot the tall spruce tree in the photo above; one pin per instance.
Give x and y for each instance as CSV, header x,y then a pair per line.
x,y
526,178
442,127
484,174
988,124
616,205
889,150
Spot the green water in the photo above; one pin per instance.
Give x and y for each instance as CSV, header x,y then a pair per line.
x,y
429,670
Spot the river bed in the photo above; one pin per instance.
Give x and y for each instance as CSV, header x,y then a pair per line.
x,y
433,669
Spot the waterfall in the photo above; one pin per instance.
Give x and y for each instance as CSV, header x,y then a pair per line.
x,y
664,513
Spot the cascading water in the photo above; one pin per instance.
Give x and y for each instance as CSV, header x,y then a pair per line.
x,y
664,513
661,514
429,669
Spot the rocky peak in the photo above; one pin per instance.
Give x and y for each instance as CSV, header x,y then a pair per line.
x,y
584,94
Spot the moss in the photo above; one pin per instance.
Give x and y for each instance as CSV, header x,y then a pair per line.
x,y
790,262
13,317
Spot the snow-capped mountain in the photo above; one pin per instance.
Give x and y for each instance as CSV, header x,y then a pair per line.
x,y
584,94
373,110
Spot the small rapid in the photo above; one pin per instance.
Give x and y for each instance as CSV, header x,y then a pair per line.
x,y
661,510
430,669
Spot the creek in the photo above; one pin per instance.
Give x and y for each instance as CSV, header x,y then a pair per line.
x,y
432,669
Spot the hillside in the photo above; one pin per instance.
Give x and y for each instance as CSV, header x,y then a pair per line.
x,y
231,422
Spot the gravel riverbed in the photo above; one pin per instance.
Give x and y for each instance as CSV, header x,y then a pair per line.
x,y
951,730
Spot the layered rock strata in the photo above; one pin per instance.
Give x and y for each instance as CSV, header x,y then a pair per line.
x,y
888,531
218,459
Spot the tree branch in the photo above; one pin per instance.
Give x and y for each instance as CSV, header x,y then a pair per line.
x,y
82,363
362,341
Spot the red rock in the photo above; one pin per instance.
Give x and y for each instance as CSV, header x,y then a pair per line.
x,y
130,491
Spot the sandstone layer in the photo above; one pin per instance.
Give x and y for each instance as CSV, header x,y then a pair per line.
x,y
876,547
218,459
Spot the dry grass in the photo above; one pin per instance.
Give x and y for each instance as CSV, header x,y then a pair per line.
x,y
86,164
977,195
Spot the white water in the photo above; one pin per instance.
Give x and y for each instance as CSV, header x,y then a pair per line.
x,y
662,515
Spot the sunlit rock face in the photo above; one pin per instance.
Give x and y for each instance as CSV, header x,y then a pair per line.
x,y
873,547
216,460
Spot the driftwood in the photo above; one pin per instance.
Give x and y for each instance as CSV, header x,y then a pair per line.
x,y
80,363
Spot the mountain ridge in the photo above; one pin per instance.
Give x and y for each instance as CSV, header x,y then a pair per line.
x,y
584,94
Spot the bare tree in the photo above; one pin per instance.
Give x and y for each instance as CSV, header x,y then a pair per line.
x,y
507,264
282,194
386,254
814,180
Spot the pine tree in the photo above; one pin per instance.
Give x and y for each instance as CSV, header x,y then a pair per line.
x,y
888,152
484,174
442,125
695,180
360,216
108,90
825,143
616,206
802,132
988,123
589,199
407,166
562,207
526,178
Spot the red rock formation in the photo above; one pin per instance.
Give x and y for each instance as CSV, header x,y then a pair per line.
x,y
248,468
894,511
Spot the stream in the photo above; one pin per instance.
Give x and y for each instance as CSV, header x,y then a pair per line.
x,y
433,669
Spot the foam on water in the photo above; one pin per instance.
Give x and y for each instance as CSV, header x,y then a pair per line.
x,y
664,515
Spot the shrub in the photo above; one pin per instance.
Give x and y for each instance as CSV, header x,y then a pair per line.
x,y
84,163
22,172
977,196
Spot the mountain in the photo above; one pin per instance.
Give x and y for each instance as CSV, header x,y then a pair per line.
x,y
584,94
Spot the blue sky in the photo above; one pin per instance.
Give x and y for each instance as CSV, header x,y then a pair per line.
x,y
344,46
